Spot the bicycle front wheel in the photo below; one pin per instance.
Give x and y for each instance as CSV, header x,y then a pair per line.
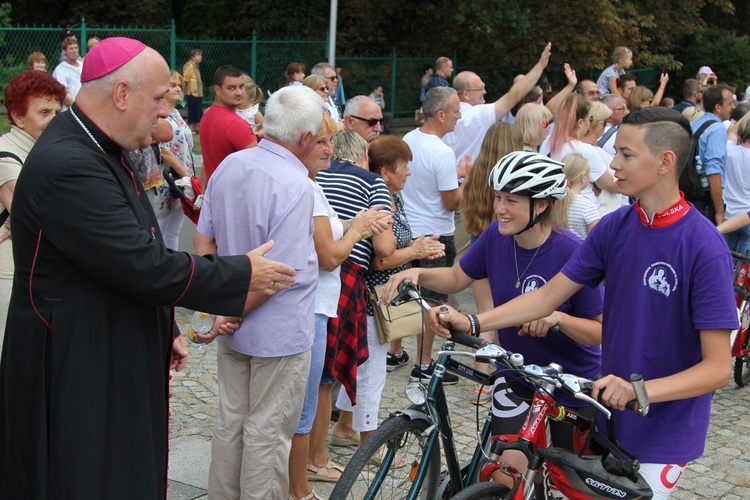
x,y
483,491
382,468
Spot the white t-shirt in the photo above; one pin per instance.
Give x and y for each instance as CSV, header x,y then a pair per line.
x,y
332,110
470,130
433,169
737,180
329,283
70,77
596,165
607,201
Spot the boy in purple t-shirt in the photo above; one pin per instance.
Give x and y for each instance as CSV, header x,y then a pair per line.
x,y
669,303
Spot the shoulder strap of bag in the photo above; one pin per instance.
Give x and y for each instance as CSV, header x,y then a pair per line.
x,y
5,154
601,142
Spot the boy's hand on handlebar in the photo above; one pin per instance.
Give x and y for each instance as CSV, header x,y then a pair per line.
x,y
391,287
540,327
615,392
451,319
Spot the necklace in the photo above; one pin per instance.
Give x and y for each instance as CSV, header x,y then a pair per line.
x,y
91,136
515,259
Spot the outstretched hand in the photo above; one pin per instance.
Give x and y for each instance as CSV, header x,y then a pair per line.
x,y
268,276
570,74
546,53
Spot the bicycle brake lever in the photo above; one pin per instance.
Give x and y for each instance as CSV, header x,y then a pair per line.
x,y
593,402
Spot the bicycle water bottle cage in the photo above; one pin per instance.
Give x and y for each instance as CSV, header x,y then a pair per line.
x,y
580,477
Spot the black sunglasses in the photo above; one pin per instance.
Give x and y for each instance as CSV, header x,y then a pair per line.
x,y
371,122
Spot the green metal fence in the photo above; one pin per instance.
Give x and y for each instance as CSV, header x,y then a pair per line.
x,y
265,61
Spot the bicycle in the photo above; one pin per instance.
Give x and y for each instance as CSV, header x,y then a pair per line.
x,y
553,471
415,434
411,435
741,339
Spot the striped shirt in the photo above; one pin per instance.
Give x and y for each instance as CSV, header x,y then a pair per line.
x,y
349,189
581,213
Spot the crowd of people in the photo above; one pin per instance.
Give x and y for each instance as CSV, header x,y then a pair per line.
x,y
533,200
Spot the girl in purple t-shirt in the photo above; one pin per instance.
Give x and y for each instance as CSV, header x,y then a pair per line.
x,y
518,253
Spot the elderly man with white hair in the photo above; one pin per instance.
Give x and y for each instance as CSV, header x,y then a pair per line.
x,y
255,195
363,116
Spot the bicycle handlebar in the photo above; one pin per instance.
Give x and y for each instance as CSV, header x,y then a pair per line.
x,y
576,386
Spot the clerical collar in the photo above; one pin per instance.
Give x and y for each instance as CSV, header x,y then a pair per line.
x,y
104,142
665,218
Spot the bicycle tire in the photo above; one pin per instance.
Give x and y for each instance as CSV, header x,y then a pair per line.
x,y
397,433
483,491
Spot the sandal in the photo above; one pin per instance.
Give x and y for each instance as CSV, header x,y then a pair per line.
x,y
377,459
344,441
323,474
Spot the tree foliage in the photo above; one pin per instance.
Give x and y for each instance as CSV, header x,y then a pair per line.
x,y
478,32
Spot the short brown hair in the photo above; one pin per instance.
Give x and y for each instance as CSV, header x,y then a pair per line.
x,y
69,40
386,151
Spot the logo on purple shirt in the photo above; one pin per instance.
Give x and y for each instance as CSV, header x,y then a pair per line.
x,y
661,277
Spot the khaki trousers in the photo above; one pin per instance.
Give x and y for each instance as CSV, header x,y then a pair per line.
x,y
259,410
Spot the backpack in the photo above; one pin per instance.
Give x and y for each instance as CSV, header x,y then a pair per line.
x,y
6,154
693,180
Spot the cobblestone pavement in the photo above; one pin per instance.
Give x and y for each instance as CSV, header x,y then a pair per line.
x,y
723,471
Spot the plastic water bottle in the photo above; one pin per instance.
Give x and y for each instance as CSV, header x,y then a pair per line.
x,y
701,173
200,323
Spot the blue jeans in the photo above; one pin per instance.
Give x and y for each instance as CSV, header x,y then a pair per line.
x,y
739,241
317,357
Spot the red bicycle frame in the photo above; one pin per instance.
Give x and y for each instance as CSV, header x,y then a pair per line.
x,y
534,435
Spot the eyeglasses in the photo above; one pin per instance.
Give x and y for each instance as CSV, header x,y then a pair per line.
x,y
332,78
371,122
323,89
621,108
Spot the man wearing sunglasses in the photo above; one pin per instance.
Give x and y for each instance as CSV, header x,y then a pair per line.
x,y
692,92
328,72
363,116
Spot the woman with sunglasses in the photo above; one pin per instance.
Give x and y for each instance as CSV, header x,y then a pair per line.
x,y
571,125
319,85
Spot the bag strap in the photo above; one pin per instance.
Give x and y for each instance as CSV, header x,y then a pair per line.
x,y
7,154
603,140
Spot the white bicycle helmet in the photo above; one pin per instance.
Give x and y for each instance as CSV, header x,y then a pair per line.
x,y
529,174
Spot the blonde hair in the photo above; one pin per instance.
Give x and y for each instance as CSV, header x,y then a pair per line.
x,y
600,111
637,96
329,126
477,203
252,91
314,82
349,145
175,77
576,166
530,119
619,53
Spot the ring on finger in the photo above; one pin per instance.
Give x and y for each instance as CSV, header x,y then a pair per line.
x,y
275,285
